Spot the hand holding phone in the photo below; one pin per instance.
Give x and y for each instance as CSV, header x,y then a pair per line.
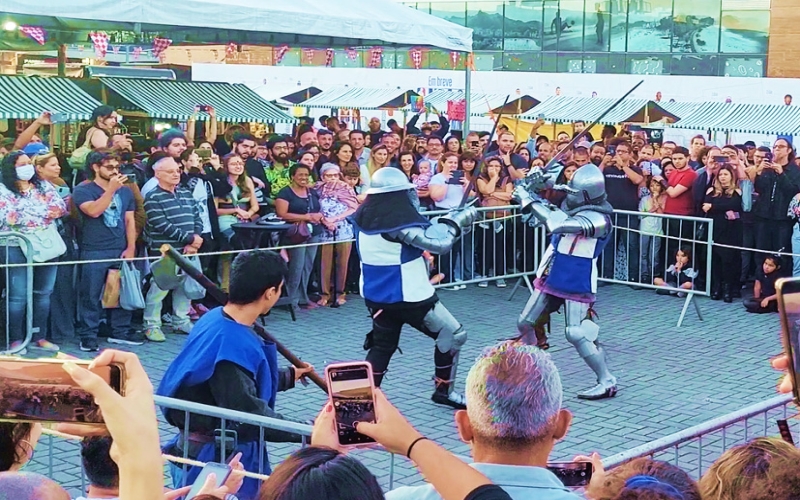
x,y
210,480
572,474
351,391
455,177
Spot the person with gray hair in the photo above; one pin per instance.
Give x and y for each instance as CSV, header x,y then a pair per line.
x,y
512,422
30,486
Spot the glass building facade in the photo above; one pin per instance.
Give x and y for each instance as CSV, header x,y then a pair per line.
x,y
648,37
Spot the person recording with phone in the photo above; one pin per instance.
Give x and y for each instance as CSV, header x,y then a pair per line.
x,y
224,363
776,182
108,231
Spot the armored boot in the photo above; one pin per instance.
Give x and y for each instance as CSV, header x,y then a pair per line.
x,y
606,382
445,395
541,328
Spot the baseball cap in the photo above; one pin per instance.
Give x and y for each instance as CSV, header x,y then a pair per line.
x,y
35,148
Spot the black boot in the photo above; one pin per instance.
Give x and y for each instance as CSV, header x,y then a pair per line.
x,y
715,292
443,395
726,293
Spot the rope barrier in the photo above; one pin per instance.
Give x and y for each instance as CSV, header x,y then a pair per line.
x,y
171,458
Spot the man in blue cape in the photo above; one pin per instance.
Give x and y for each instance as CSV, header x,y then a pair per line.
x,y
225,363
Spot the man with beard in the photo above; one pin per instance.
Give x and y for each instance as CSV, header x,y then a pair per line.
x,y
375,132
545,151
597,153
435,150
244,145
108,231
129,165
580,155
391,238
325,143
516,165
392,143
277,172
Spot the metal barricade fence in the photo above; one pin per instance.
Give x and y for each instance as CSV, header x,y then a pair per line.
x,y
696,448
17,286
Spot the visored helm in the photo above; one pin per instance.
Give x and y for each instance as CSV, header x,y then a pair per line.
x,y
587,187
389,180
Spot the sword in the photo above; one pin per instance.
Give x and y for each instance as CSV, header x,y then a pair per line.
x,y
220,296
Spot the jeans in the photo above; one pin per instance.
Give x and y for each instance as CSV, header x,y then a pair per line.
x,y
152,306
44,280
301,263
63,303
651,256
93,278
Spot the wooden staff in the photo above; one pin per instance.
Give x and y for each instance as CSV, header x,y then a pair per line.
x,y
220,296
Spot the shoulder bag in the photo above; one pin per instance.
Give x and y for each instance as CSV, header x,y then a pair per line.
x,y
300,232
47,244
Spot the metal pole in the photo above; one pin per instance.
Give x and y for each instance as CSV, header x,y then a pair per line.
x,y
467,94
62,59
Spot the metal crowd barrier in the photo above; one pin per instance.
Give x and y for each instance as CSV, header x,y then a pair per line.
x,y
696,448
11,243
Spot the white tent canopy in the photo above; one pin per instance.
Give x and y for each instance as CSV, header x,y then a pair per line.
x,y
377,20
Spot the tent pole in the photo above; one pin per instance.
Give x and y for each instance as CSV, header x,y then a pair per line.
x,y
62,59
467,96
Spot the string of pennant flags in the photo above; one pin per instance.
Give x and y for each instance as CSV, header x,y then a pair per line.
x,y
374,56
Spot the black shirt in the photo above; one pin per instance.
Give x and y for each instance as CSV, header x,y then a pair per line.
x,y
622,193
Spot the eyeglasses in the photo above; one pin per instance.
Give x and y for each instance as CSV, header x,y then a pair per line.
x,y
111,167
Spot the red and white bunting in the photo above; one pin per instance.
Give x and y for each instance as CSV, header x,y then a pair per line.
x,y
454,58
329,56
231,49
100,43
137,52
160,45
308,55
416,57
375,56
39,35
352,53
280,52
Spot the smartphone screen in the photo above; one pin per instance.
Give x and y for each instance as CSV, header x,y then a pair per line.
x,y
203,153
572,474
59,117
455,177
789,306
222,471
41,391
768,156
612,150
351,394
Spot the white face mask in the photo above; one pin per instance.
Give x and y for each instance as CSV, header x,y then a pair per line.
x,y
25,172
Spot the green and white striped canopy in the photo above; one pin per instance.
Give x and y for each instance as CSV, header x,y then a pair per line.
x,y
744,118
564,109
171,100
26,97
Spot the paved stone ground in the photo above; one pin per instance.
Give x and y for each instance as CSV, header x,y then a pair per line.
x,y
669,378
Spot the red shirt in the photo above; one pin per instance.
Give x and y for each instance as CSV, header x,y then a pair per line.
x,y
683,204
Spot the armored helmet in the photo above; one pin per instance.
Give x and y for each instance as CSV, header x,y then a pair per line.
x,y
587,187
389,180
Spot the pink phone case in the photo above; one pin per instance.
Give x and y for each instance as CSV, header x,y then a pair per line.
x,y
371,377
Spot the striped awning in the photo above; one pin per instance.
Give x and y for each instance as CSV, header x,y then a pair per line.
x,y
706,116
24,97
482,103
776,119
360,98
681,108
171,100
562,109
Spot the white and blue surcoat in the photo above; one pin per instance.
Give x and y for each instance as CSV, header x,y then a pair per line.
x,y
392,273
569,267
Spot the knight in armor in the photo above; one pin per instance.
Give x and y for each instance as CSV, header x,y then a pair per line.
x,y
391,237
567,275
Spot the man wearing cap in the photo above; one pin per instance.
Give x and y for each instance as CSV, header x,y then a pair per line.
x,y
391,238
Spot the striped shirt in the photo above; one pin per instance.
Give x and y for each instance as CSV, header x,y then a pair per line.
x,y
172,218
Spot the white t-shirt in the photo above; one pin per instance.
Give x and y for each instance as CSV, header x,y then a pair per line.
x,y
149,186
454,192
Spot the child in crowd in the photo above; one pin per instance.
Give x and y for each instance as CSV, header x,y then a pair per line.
x,y
652,228
678,275
422,179
352,176
765,299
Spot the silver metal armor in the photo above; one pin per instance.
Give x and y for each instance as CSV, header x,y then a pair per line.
x,y
585,212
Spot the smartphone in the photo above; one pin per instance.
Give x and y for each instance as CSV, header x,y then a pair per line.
x,y
612,151
721,159
39,390
635,128
789,307
222,471
572,474
455,177
350,386
59,117
204,154
768,156
63,191
202,107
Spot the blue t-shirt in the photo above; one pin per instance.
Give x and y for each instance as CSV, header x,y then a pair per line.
x,y
106,232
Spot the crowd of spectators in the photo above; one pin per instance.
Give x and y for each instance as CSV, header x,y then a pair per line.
x,y
199,194
513,419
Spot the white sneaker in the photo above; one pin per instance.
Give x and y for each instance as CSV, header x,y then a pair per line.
x,y
461,287
453,287
501,283
483,284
